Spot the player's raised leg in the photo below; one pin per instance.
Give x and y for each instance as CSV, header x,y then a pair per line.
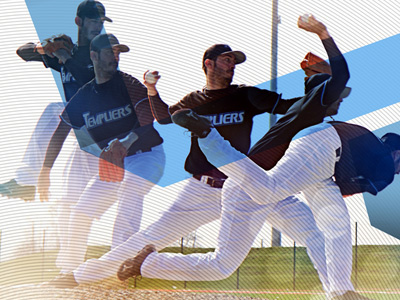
x,y
23,185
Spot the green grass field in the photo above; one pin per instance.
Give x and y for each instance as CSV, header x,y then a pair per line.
x,y
269,273
378,268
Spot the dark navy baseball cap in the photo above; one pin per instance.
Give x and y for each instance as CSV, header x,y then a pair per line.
x,y
93,10
107,40
392,140
218,49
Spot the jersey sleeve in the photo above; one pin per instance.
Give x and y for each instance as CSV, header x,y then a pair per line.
x,y
268,101
340,73
27,53
139,98
191,100
177,106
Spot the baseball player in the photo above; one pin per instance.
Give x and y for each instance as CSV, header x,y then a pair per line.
x,y
359,161
224,105
115,111
75,67
325,162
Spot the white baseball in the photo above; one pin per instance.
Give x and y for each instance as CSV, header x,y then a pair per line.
x,y
150,77
305,17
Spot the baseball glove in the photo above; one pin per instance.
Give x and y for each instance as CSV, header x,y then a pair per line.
x,y
54,43
313,64
111,162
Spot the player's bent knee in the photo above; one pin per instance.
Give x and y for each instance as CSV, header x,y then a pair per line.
x,y
224,268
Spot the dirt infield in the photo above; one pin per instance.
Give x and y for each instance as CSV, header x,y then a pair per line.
x,y
34,292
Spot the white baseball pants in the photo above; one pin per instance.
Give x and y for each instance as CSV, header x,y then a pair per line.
x,y
199,204
32,161
308,165
144,170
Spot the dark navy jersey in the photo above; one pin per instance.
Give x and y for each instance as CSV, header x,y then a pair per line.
x,y
231,110
113,109
308,111
76,71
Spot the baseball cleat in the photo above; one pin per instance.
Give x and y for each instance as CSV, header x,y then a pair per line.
x,y
4,189
62,281
131,267
12,189
351,295
187,118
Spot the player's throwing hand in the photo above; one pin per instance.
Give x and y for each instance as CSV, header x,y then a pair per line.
x,y
311,24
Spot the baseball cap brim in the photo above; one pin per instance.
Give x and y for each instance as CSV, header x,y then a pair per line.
x,y
239,56
106,19
346,92
121,47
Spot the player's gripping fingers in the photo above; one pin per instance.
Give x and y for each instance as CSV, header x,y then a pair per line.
x,y
310,23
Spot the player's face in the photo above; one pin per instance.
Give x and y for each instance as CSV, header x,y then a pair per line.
x,y
333,109
225,66
91,28
108,60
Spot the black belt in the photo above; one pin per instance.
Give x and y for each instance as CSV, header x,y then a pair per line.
x,y
211,181
143,150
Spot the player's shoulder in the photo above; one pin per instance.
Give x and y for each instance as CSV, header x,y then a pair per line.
x,y
249,90
88,85
83,91
130,80
128,76
194,94
242,86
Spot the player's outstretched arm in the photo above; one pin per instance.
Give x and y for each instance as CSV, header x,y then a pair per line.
x,y
53,51
53,149
27,53
339,70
